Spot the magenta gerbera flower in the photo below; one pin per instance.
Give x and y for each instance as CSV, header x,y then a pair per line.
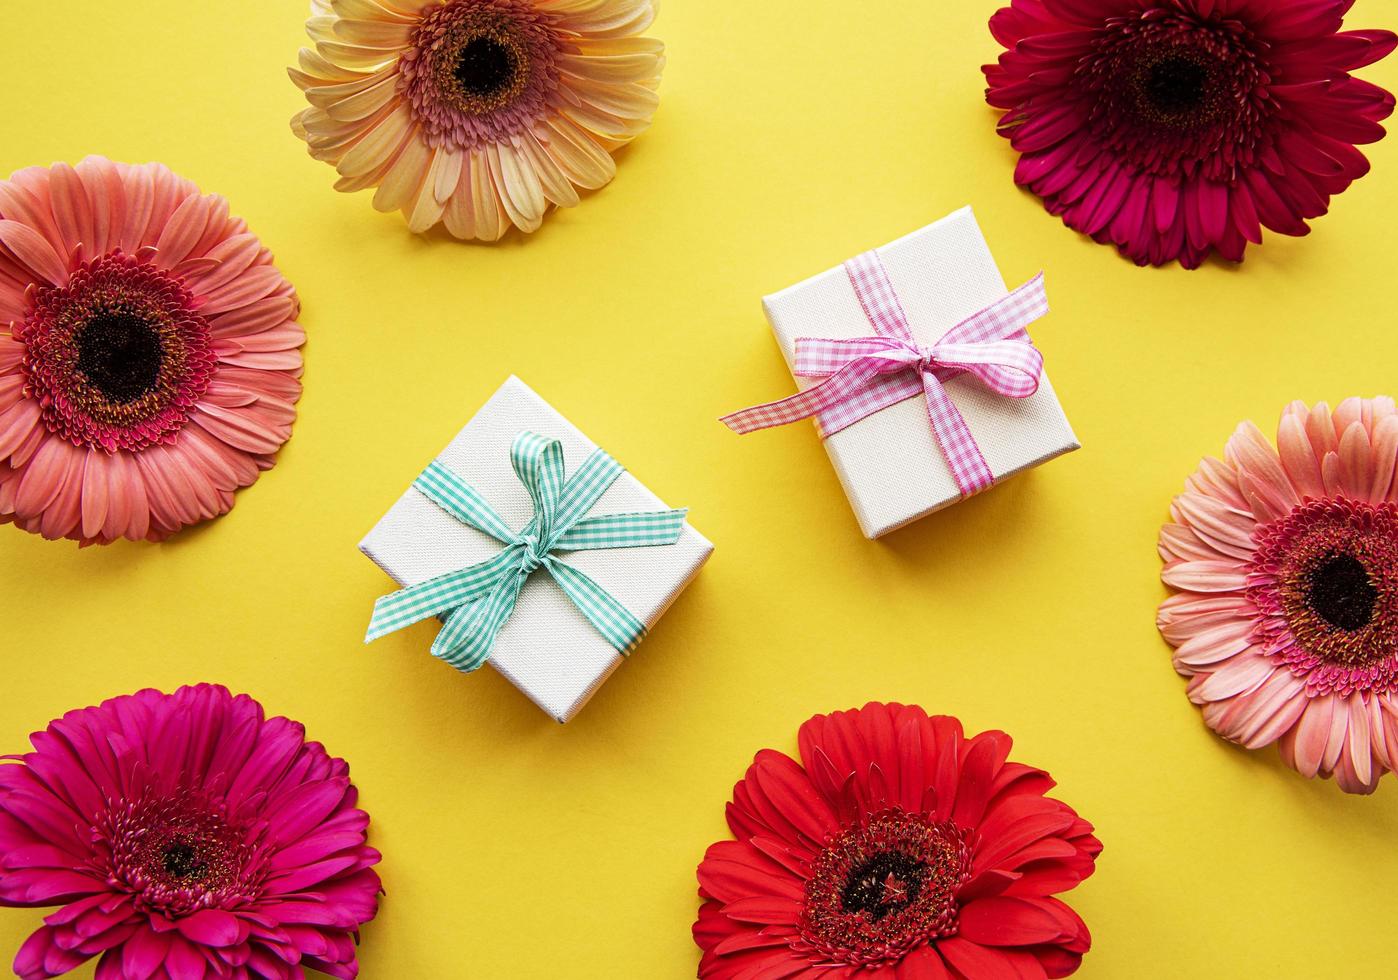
x,y
1176,128
185,836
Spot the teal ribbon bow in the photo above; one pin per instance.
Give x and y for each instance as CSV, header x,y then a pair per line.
x,y
477,601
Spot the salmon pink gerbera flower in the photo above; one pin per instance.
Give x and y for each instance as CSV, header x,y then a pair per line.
x,y
1176,128
479,114
1285,564
149,353
897,849
187,837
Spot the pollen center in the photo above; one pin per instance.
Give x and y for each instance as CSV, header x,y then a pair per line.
x,y
1325,580
1342,594
884,887
1175,84
182,862
484,67
120,355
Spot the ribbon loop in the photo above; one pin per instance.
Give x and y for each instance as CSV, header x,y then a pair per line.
x,y
476,602
864,375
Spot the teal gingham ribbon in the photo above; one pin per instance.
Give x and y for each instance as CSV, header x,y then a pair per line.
x,y
478,600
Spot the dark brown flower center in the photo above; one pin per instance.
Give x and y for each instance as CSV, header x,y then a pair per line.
x,y
883,887
1174,94
120,355
1324,580
179,854
485,67
884,884
1341,592
1174,85
479,72
182,861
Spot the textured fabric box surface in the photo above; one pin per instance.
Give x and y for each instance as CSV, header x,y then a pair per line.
x,y
547,649
889,463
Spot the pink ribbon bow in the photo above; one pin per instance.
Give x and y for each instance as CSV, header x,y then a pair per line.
x,y
868,374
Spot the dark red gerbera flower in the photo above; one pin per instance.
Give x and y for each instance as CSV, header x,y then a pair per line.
x,y
898,849
1174,128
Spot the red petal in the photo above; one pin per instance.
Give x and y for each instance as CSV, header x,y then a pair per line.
x,y
1008,922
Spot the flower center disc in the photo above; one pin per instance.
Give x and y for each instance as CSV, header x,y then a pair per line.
x,y
484,67
1341,593
480,71
182,862
1174,85
1325,580
117,357
180,854
880,889
1173,94
120,354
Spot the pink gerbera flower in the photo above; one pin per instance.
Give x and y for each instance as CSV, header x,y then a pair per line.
x,y
149,353
476,114
897,849
1176,128
186,837
1286,566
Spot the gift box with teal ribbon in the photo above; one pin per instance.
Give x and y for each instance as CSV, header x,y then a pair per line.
x,y
531,550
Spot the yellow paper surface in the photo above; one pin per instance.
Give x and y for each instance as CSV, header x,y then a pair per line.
x,y
790,137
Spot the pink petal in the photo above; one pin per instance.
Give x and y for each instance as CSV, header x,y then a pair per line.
x,y
36,254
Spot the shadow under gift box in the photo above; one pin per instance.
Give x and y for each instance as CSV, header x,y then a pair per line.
x,y
547,648
889,463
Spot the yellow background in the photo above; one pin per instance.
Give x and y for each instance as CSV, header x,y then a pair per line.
x,y
790,136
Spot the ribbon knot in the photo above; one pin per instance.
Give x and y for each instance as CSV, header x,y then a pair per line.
x,y
864,375
476,602
534,554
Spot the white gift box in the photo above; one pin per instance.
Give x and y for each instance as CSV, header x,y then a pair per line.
x,y
890,464
548,648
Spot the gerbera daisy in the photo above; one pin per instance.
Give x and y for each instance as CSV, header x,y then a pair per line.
x,y
149,353
476,113
185,836
1175,128
1286,566
897,849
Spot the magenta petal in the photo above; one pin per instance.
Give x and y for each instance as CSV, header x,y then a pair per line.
x,y
211,927
143,954
41,957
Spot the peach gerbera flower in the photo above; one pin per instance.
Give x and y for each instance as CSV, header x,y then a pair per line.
x,y
476,113
1286,566
149,353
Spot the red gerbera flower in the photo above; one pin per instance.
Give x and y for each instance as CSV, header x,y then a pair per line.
x,y
186,837
1174,128
898,849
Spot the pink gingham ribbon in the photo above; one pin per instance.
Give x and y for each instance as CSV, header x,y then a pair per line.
x,y
868,374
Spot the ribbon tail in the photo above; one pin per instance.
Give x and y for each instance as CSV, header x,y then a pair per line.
x,y
1006,319
839,388
968,466
439,595
468,635
646,529
614,621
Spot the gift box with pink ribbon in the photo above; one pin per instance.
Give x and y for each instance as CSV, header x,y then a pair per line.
x,y
916,363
